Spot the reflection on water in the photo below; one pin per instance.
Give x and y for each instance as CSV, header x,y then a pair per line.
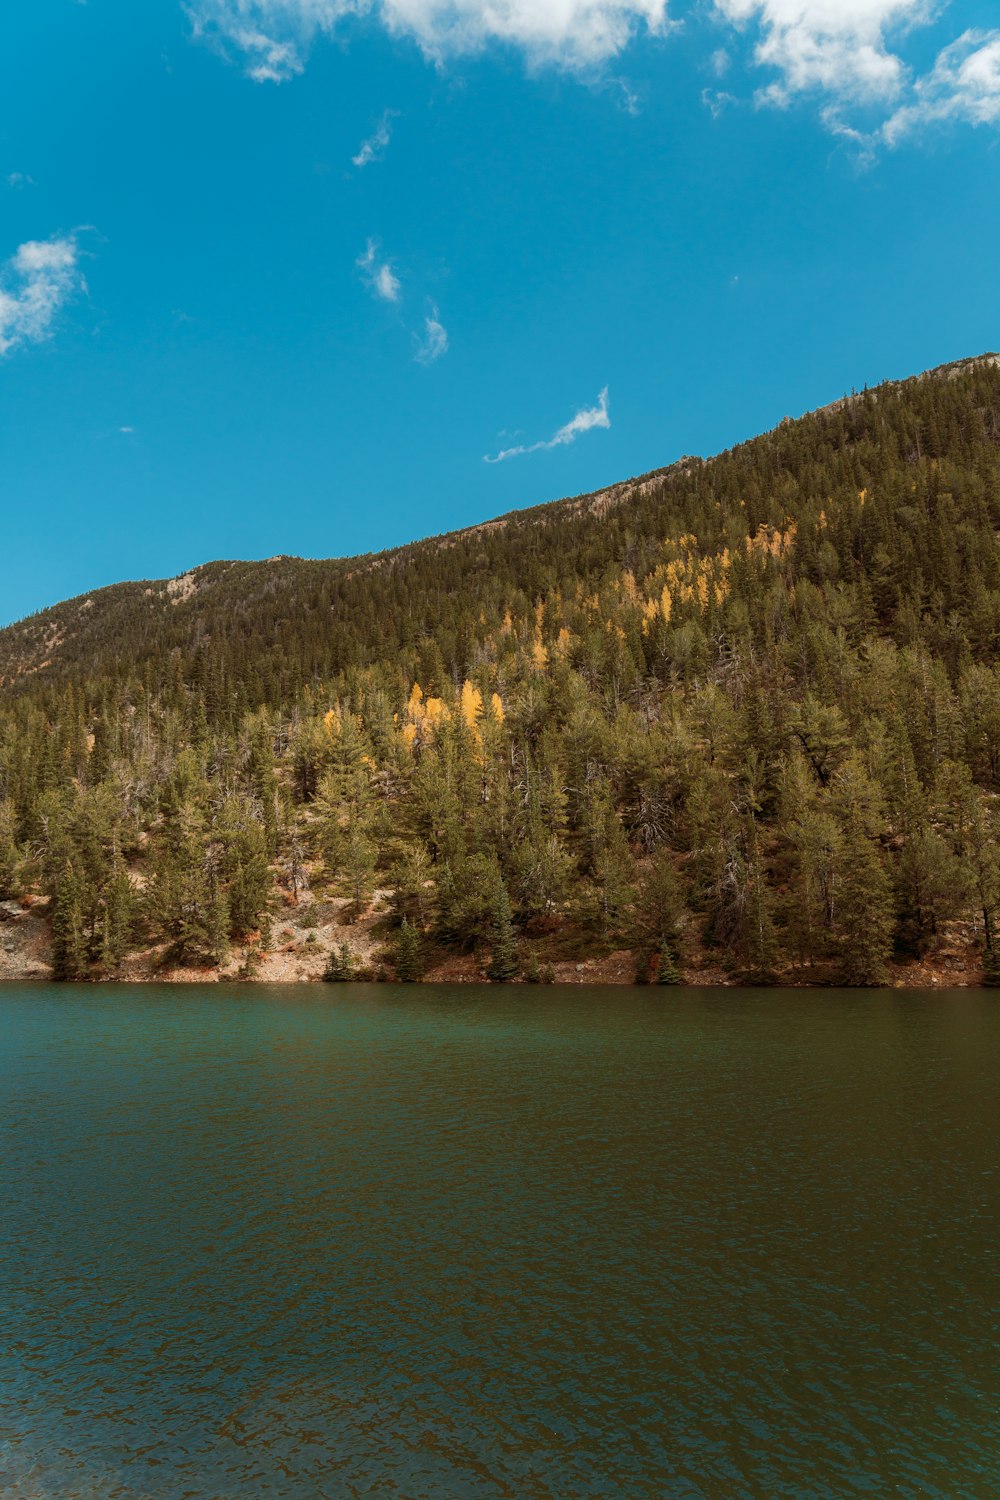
x,y
265,1242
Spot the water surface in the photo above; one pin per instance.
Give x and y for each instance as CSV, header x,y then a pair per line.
x,y
284,1243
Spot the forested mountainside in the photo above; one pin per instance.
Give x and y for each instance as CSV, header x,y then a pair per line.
x,y
741,716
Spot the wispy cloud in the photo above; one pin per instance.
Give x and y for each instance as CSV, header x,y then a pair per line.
x,y
433,342
35,284
430,343
379,275
584,421
377,144
629,98
241,26
19,180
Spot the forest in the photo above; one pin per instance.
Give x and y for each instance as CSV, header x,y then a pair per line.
x,y
745,711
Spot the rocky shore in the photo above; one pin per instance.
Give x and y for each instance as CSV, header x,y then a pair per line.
x,y
304,938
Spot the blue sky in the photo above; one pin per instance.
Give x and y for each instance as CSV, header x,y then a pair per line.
x,y
584,238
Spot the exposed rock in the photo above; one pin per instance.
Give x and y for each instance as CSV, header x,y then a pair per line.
x,y
26,945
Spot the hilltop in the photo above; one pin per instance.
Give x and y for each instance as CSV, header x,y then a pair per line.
x,y
733,719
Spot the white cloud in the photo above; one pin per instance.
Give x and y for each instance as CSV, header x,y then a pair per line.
x,y
379,275
387,284
274,35
584,421
837,47
963,85
375,147
19,180
572,33
434,341
850,56
34,285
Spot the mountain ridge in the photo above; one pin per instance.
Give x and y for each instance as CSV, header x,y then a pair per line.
x,y
32,644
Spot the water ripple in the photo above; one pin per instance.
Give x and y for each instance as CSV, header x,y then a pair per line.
x,y
490,1243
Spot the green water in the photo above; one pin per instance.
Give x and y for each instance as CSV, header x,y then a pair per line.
x,y
285,1243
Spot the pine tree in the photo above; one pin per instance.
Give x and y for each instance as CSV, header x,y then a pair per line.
x,y
340,966
409,962
531,969
243,866
358,864
865,910
10,854
117,924
660,901
70,959
614,870
503,964
217,924
759,938
182,897
667,971
991,969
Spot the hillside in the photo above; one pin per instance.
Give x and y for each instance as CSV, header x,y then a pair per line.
x,y
273,604
735,719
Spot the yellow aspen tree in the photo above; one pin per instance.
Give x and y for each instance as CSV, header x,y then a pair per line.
x,y
415,705
471,706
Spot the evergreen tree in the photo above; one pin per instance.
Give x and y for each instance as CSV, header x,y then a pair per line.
x,y
217,923
117,924
614,872
760,944
864,911
183,901
503,965
340,966
660,901
11,856
359,858
409,964
70,957
667,971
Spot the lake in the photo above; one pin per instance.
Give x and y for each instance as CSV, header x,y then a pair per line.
x,y
284,1243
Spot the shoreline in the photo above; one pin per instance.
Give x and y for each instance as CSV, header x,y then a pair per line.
x,y
299,955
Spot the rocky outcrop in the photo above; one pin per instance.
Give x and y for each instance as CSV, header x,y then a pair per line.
x,y
25,943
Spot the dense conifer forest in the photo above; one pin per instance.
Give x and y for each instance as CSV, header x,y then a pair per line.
x,y
743,711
